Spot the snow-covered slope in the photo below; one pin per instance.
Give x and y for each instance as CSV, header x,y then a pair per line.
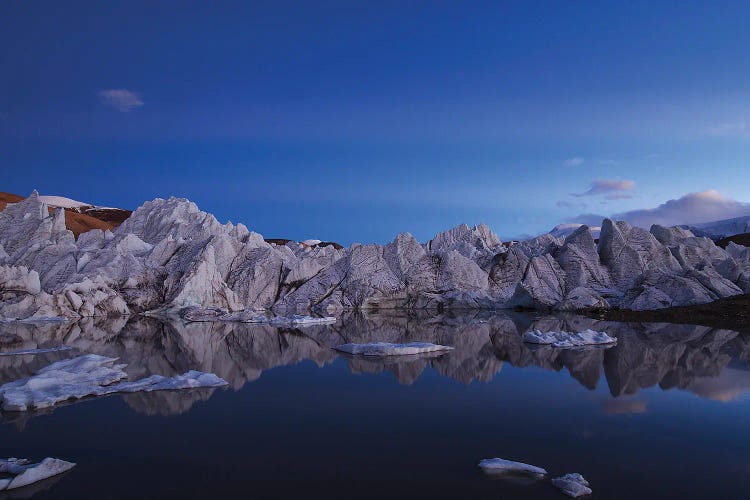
x,y
722,228
62,202
169,257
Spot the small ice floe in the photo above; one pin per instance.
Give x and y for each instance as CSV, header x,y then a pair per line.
x,y
90,375
43,350
569,340
501,466
388,349
18,472
573,485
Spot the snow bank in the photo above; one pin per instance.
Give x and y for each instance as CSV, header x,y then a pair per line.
x,y
23,473
568,340
36,351
89,375
388,349
502,466
61,201
573,485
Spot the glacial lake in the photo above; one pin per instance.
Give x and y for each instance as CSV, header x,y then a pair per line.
x,y
663,414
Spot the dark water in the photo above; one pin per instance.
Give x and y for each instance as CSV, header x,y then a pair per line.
x,y
664,414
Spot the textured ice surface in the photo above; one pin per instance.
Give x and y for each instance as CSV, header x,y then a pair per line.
x,y
569,340
169,258
502,466
388,349
42,350
89,375
573,485
24,473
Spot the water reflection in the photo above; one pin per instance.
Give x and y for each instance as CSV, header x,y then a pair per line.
x,y
710,363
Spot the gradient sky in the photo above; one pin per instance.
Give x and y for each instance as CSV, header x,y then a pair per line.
x,y
353,121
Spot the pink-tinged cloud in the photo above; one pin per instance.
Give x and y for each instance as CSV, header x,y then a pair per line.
x,y
608,186
693,208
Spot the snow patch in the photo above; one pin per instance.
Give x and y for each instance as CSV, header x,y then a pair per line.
x,y
62,202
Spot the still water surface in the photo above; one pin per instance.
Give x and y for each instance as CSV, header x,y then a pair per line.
x,y
664,414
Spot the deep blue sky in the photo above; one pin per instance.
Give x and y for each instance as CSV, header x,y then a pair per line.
x,y
354,121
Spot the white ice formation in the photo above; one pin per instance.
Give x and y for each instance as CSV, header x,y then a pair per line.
x,y
573,485
389,349
502,466
170,258
18,472
90,375
41,350
569,340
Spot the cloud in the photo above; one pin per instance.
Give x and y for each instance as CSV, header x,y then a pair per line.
x,y
574,162
605,186
735,129
619,196
608,161
570,204
121,99
591,220
693,208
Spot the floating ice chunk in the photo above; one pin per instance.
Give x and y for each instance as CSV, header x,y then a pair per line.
x,y
568,340
24,473
36,351
502,466
573,485
89,375
388,349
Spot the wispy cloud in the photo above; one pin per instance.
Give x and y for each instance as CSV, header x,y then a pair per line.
x,y
619,196
121,99
571,204
608,186
574,162
607,161
730,129
693,208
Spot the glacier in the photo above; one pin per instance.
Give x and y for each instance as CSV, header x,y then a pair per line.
x,y
169,258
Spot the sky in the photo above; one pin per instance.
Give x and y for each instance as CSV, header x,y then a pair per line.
x,y
355,121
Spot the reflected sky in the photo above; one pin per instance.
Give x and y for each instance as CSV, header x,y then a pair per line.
x,y
661,413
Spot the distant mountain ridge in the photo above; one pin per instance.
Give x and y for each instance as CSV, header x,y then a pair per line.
x,y
721,228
